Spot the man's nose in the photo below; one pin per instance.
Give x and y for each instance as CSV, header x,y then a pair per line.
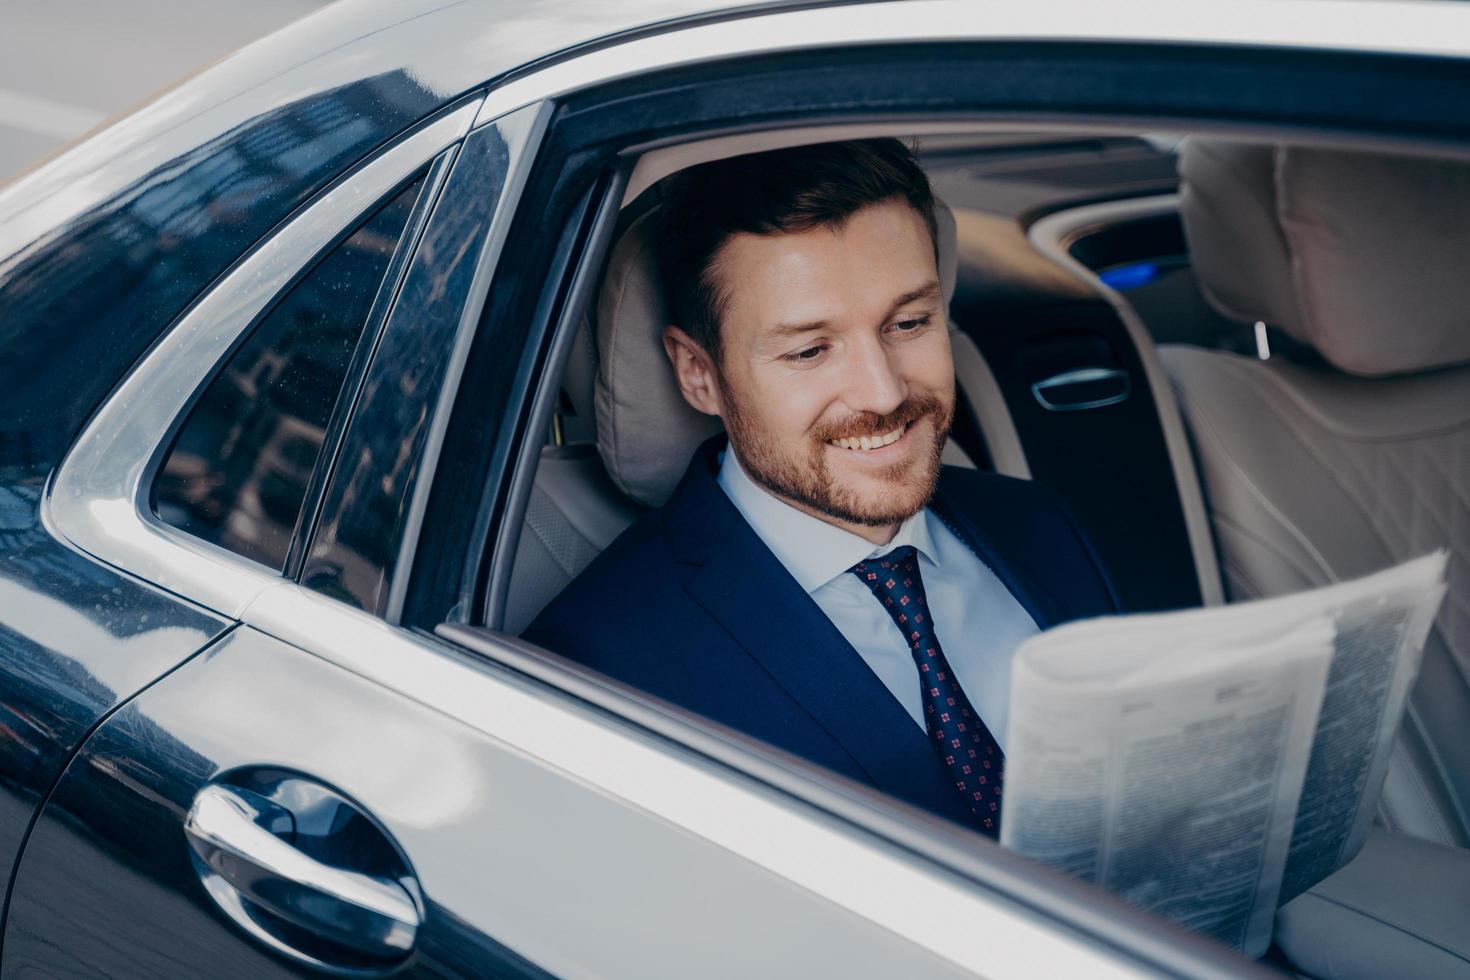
x,y
873,382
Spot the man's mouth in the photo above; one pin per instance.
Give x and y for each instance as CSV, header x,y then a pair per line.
x,y
867,443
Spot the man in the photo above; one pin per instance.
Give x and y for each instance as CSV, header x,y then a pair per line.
x,y
821,582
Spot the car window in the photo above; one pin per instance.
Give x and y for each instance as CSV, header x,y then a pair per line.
x,y
237,474
369,517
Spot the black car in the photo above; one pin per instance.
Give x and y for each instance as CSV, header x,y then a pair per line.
x,y
301,401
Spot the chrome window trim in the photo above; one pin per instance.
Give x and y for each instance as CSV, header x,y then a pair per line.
x,y
1382,26
975,926
99,497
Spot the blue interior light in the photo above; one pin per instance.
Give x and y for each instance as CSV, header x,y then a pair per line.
x,y
1125,277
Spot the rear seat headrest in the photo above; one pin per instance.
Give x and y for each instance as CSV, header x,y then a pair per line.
x,y
1360,255
646,432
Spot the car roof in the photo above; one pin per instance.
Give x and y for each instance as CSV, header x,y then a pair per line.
x,y
416,54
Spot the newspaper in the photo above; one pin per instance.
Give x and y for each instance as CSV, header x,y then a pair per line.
x,y
1211,764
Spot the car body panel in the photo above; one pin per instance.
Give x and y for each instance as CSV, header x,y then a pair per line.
x,y
85,621
521,836
76,640
118,234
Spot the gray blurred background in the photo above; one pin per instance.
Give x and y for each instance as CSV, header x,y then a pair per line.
x,y
67,65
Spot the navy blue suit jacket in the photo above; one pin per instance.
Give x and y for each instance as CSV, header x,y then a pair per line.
x,y
690,605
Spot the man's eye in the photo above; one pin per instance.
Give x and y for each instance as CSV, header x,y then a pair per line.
x,y
806,354
908,326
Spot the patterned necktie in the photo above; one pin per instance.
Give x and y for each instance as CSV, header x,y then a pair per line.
x,y
959,736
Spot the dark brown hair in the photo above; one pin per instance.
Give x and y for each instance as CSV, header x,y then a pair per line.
x,y
789,190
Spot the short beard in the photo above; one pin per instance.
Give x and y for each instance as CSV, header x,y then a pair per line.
x,y
810,484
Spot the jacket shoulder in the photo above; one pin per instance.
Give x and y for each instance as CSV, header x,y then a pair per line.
x,y
1030,523
611,599
1007,487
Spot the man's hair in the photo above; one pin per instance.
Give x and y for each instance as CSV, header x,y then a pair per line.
x,y
791,190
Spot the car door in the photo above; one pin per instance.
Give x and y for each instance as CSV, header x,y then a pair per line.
x,y
319,789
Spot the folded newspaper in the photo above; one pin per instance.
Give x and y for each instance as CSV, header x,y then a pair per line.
x,y
1212,764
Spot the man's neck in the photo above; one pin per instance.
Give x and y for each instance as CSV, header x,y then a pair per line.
x,y
878,535
874,534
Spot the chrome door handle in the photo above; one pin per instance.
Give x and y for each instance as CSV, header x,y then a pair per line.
x,y
227,828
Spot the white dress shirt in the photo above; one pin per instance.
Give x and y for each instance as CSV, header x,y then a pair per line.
x,y
978,622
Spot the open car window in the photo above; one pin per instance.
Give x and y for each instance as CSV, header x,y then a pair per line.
x,y
1138,290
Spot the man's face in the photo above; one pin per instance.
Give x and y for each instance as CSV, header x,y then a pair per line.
x,y
835,339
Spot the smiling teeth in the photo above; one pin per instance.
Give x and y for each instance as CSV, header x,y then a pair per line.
x,y
861,443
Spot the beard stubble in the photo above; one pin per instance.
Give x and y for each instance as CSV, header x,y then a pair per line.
x,y
807,480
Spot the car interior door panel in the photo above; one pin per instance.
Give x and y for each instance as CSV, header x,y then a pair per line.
x,y
1081,404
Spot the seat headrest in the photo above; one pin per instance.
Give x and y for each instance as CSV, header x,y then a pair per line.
x,y
646,431
1360,255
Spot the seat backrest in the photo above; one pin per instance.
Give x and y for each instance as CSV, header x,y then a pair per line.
x,y
1317,472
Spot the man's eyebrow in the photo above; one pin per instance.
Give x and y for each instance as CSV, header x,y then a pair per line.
x,y
781,330
929,290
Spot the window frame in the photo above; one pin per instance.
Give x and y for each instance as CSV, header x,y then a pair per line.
x,y
599,130
362,356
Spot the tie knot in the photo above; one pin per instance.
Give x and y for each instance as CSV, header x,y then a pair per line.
x,y
899,559
893,578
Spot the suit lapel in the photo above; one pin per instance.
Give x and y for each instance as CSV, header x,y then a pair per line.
x,y
1014,571
745,588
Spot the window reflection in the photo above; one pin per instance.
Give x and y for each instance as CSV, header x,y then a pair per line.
x,y
238,471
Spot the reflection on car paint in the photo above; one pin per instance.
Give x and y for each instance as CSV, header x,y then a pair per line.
x,y
77,639
108,854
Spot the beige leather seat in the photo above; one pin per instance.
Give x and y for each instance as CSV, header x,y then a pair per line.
x,y
618,389
1316,472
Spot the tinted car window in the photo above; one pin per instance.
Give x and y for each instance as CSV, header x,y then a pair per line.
x,y
367,522
238,471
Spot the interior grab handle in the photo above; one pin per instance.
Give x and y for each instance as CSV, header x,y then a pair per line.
x,y
231,831
1082,389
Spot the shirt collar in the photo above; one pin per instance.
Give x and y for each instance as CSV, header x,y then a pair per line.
x,y
813,551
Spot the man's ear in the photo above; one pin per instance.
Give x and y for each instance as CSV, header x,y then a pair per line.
x,y
694,369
